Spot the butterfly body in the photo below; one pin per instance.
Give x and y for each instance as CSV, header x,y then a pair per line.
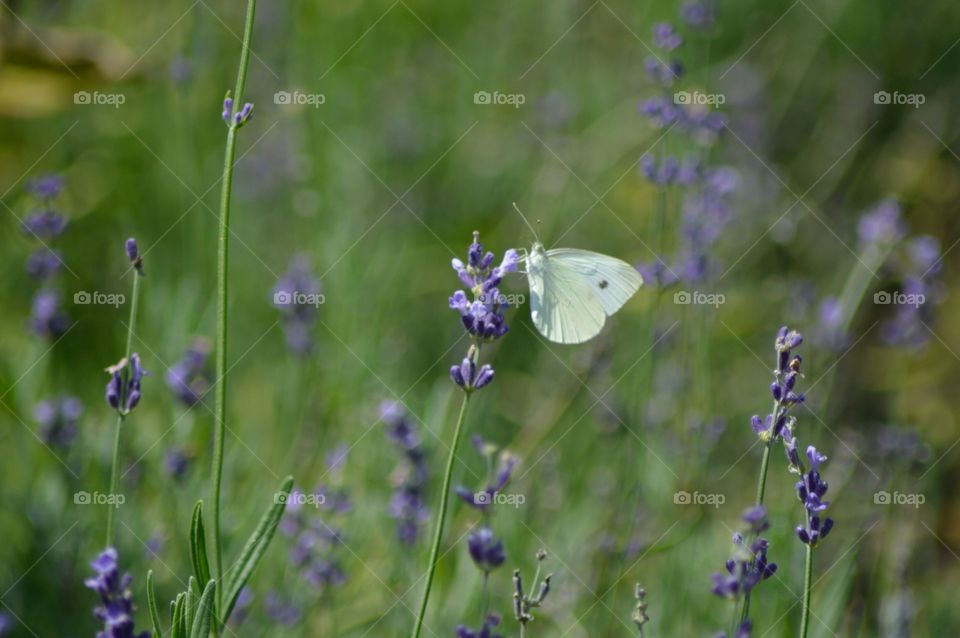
x,y
572,291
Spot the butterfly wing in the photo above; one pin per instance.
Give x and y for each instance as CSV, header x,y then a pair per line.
x,y
562,305
611,280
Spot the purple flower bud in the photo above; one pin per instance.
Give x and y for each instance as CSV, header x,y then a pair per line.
x,y
227,109
485,549
244,116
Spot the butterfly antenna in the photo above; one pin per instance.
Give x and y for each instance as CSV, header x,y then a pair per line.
x,y
525,221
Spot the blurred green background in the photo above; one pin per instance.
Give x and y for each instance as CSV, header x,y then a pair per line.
x,y
378,178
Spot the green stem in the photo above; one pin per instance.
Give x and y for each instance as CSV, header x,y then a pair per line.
x,y
807,587
222,261
441,516
113,478
115,463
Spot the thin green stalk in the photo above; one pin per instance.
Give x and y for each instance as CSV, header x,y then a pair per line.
x,y
807,586
761,491
222,262
441,517
115,463
113,478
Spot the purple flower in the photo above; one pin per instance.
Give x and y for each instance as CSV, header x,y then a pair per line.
x,y
882,224
116,610
408,503
316,541
749,565
227,110
483,316
58,420
783,387
297,295
44,263
282,611
123,389
188,378
467,376
244,115
697,14
133,254
666,37
486,631
46,186
46,318
810,490
44,224
485,549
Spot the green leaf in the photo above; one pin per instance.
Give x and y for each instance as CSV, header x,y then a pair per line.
x,y
177,630
188,603
203,618
198,546
255,548
152,603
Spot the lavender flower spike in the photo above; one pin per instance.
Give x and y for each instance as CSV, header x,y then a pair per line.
x,y
116,610
133,254
123,389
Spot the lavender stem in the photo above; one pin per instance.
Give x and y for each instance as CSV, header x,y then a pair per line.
x,y
114,465
441,516
222,261
807,586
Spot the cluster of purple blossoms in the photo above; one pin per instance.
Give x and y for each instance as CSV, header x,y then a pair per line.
x,y
116,610
749,564
123,388
238,118
708,190
910,262
674,109
188,378
297,295
317,543
45,224
485,631
783,388
698,14
58,420
810,490
408,504
483,316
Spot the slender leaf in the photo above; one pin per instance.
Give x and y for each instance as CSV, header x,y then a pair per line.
x,y
255,548
188,603
152,603
178,630
198,546
203,617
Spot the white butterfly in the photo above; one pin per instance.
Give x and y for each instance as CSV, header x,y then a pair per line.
x,y
572,291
